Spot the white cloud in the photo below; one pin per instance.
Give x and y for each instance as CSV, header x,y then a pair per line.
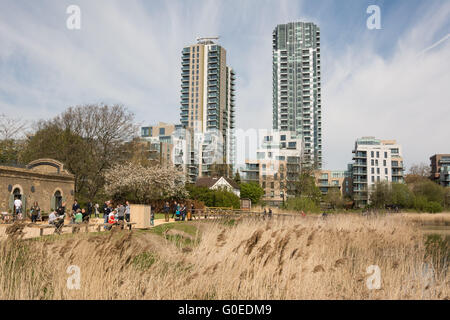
x,y
404,97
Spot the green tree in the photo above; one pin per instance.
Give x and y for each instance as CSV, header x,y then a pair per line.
x,y
401,195
430,191
381,195
252,191
214,198
305,186
334,198
89,139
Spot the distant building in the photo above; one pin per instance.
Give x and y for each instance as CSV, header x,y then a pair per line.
x,y
45,181
208,103
374,161
277,166
329,179
215,183
297,97
440,169
160,142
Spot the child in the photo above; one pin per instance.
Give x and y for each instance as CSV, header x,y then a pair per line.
x,y
177,214
78,217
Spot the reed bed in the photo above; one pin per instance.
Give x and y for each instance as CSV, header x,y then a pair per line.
x,y
280,258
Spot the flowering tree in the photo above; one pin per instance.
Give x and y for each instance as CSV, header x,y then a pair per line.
x,y
145,183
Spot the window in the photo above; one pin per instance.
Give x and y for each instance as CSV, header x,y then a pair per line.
x,y
272,185
373,179
376,162
283,137
162,131
378,154
384,163
372,162
372,154
385,154
385,171
378,179
378,170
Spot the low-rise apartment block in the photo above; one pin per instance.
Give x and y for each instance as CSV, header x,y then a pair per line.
x,y
277,166
374,161
440,169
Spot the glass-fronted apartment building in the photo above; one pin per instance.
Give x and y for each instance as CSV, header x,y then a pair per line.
x,y
208,103
277,166
297,99
374,161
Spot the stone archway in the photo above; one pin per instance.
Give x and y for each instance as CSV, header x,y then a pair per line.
x,y
17,193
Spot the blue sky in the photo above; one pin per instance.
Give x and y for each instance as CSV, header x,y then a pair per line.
x,y
390,83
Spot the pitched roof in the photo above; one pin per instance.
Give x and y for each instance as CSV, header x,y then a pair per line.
x,y
211,181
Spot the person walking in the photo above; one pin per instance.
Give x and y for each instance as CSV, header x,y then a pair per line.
x,y
183,212
90,208
166,210
152,217
35,212
97,213
17,209
127,211
174,209
270,213
106,211
121,215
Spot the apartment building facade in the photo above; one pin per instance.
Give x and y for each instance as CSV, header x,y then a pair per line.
x,y
277,166
374,161
208,103
297,98
440,169
334,179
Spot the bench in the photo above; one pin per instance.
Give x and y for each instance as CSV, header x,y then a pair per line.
x,y
129,224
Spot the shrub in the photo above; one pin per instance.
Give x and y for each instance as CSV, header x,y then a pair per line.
x,y
252,191
433,207
302,204
214,198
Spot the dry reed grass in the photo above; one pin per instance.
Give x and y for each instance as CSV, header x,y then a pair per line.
x,y
290,258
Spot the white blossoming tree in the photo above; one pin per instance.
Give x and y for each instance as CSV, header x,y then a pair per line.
x,y
145,183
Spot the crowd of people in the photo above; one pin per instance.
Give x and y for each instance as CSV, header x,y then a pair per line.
x,y
113,214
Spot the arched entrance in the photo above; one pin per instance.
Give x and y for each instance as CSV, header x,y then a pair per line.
x,y
17,194
57,200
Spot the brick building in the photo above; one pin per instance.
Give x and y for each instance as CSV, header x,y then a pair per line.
x,y
43,180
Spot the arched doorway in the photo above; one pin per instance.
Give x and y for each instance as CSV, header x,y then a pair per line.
x,y
58,199
17,194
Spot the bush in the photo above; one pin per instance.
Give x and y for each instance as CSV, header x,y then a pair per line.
x,y
422,205
214,198
433,207
302,204
252,191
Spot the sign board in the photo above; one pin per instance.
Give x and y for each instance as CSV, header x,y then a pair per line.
x,y
246,204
